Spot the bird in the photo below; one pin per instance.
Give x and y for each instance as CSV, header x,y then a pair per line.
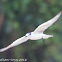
x,y
37,34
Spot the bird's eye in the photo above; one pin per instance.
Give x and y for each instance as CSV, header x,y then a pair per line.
x,y
28,34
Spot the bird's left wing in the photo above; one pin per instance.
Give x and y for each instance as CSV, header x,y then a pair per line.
x,y
15,43
44,26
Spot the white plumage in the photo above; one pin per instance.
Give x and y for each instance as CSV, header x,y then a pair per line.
x,y
36,34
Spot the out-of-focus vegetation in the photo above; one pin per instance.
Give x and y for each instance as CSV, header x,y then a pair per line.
x,y
17,17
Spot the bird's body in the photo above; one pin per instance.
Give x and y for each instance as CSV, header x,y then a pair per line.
x,y
37,34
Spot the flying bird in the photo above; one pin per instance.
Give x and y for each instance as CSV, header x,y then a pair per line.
x,y
37,34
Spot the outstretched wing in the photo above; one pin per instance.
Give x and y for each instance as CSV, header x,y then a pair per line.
x,y
44,26
15,43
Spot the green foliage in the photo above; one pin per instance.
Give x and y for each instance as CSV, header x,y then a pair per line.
x,y
22,16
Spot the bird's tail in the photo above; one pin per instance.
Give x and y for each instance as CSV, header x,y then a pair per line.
x,y
47,36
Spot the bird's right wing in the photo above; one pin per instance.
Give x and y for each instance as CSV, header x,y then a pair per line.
x,y
44,26
15,43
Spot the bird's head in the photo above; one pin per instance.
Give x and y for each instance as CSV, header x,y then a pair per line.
x,y
28,34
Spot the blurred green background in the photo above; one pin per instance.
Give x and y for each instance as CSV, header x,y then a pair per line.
x,y
17,17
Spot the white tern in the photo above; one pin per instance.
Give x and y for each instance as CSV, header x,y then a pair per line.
x,y
37,34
